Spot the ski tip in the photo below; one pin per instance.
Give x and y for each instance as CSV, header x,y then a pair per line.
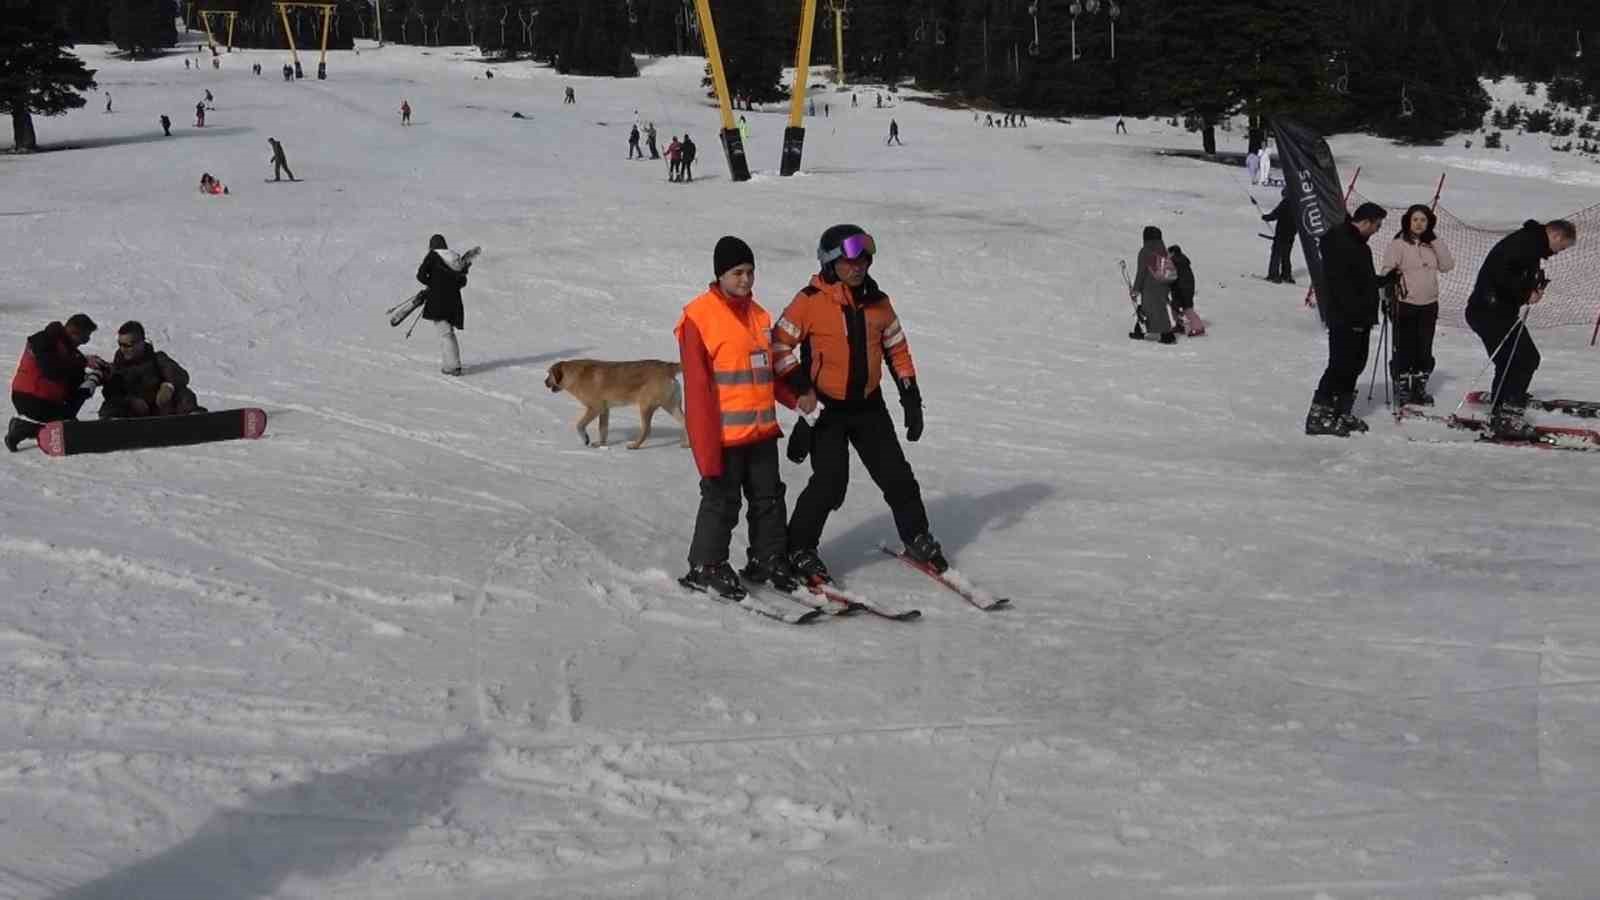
x,y
255,423
53,439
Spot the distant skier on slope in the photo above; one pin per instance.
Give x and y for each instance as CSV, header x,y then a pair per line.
x,y
280,163
686,155
1188,321
633,144
1280,267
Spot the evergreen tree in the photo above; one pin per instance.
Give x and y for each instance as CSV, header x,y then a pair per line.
x,y
756,43
143,27
37,74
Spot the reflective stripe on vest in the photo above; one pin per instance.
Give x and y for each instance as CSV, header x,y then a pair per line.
x,y
741,364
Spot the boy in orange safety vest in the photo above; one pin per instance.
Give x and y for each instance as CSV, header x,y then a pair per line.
x,y
730,402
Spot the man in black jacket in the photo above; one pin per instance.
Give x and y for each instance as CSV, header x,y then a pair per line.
x,y
1349,309
145,381
1510,279
1279,267
53,378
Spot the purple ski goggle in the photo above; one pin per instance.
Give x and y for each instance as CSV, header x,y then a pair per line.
x,y
854,247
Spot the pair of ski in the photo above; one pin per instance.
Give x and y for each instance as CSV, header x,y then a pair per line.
x,y
819,598
1556,437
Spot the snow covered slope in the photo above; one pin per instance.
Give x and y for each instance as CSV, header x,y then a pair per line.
x,y
419,642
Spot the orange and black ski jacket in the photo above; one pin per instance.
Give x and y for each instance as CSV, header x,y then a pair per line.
x,y
846,337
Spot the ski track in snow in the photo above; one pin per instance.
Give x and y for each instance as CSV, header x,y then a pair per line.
x,y
420,642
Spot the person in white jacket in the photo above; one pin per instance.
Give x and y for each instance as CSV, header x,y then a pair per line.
x,y
1420,257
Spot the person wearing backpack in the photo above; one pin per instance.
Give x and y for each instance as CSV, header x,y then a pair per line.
x,y
1152,288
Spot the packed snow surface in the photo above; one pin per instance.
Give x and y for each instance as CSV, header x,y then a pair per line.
x,y
420,642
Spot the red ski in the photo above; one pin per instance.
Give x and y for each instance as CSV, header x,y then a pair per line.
x,y
1586,409
1554,437
837,594
953,580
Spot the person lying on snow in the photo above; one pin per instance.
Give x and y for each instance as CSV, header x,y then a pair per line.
x,y
210,185
144,381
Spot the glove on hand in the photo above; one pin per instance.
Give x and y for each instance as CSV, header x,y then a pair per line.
x,y
911,404
164,394
799,442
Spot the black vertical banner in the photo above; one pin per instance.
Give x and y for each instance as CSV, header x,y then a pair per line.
x,y
1311,180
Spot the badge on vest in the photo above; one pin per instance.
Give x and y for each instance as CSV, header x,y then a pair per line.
x,y
758,360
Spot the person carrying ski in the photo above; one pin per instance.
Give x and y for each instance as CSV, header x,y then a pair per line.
x,y
1152,288
405,112
674,158
633,144
894,134
280,163
144,381
444,275
1511,278
730,409
1280,269
1350,309
53,378
686,159
166,125
1420,257
830,345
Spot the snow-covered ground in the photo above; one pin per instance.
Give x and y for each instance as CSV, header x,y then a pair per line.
x,y
418,642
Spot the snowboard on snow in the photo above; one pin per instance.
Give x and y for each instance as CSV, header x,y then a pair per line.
x,y
70,437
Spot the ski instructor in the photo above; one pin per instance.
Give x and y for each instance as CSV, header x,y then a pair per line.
x,y
730,410
846,325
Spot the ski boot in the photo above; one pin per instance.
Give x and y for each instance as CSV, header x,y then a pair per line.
x,y
1419,389
773,570
718,577
1352,425
1509,420
809,567
1403,390
1324,419
20,430
924,549
1169,337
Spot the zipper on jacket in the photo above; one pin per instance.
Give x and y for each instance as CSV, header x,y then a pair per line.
x,y
855,328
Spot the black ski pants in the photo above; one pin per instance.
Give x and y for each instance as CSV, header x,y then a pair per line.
x,y
1280,264
1413,339
1347,357
47,411
281,168
868,428
1515,356
751,470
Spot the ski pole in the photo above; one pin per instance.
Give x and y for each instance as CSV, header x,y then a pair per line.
x,y
413,324
1521,322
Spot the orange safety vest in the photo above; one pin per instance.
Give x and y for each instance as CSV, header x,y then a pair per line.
x,y
741,364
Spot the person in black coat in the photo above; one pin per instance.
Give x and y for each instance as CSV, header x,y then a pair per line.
x,y
686,159
1349,305
1511,278
144,381
1280,270
442,274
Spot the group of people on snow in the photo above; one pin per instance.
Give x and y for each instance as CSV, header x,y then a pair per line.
x,y
1510,279
1163,290
826,352
680,158
54,379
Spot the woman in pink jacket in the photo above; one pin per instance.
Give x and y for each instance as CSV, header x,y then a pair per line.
x,y
1421,257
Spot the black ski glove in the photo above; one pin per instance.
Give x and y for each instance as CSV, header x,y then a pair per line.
x,y
800,441
911,404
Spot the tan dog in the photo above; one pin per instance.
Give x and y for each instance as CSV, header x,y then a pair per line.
x,y
649,384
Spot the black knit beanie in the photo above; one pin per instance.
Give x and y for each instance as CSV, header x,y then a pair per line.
x,y
730,252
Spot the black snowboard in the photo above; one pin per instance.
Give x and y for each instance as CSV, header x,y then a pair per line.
x,y
106,435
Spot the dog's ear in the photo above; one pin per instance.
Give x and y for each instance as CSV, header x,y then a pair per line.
x,y
553,379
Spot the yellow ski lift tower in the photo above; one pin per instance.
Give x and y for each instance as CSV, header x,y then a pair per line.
x,y
738,166
288,33
839,8
794,137
211,37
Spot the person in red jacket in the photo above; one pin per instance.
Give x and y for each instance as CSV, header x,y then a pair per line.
x,y
730,406
53,378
